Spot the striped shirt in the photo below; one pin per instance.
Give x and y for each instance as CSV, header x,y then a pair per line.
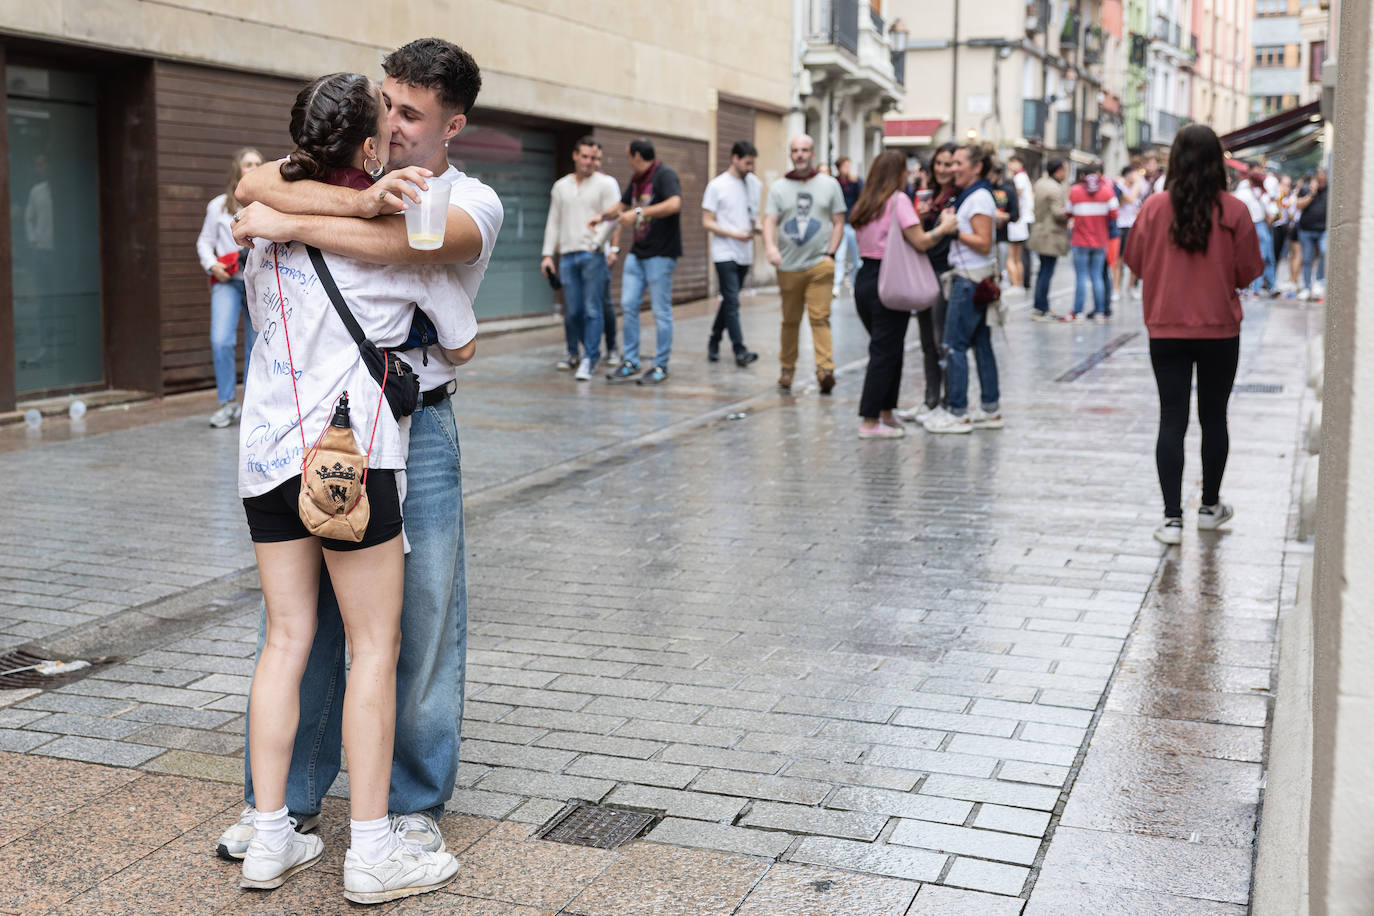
x,y
1090,212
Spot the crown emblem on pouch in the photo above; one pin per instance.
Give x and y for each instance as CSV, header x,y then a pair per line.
x,y
338,472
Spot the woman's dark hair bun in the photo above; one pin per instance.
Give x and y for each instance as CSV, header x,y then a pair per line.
x,y
332,117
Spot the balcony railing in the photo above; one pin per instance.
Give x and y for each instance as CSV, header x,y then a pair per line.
x,y
1169,125
899,67
1037,15
835,22
1064,129
1034,113
877,19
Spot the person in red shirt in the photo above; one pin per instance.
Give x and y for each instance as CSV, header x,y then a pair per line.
x,y
1193,247
1092,204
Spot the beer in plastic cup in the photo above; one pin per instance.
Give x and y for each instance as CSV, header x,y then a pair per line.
x,y
425,221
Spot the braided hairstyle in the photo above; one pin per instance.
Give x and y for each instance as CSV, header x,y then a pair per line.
x,y
329,122
1197,174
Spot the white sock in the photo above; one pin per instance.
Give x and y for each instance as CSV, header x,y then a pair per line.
x,y
272,828
371,839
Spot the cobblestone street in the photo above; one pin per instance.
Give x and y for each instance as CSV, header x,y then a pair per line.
x,y
938,675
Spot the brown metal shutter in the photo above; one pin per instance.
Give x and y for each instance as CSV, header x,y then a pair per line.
x,y
733,122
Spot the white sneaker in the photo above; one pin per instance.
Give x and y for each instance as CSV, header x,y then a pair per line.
x,y
1170,532
942,421
419,829
981,419
266,869
406,871
1210,518
238,411
566,364
1305,294
914,414
233,843
613,359
584,371
224,416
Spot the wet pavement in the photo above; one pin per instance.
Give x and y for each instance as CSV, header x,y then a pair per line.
x,y
938,675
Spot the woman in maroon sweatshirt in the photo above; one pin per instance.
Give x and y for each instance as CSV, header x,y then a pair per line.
x,y
1194,247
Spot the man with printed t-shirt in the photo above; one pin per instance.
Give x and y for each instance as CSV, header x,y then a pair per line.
x,y
802,228
730,211
651,204
429,89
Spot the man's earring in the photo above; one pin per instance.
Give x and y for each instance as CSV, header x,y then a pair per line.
x,y
377,172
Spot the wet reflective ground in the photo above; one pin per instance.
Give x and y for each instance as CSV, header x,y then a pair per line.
x,y
933,675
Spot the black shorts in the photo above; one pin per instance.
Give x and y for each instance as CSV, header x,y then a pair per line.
x,y
274,516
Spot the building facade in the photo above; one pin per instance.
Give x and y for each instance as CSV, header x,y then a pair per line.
x,y
1289,41
121,115
1221,94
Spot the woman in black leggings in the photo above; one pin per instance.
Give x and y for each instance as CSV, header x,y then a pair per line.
x,y
1193,247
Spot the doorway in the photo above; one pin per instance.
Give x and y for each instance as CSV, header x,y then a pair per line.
x,y
54,229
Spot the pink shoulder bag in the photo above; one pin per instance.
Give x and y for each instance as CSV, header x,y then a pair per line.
x,y
906,281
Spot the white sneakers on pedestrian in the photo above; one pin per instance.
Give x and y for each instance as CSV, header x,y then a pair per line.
x,y
981,419
566,364
1210,518
881,431
584,370
914,414
233,843
419,829
1170,532
613,358
265,868
942,421
226,414
406,871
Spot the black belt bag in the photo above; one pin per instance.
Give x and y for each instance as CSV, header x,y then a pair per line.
x,y
395,375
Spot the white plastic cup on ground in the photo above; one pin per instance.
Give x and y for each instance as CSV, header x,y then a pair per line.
x,y
426,221
77,410
33,419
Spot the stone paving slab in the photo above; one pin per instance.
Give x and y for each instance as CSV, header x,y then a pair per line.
x,y
811,652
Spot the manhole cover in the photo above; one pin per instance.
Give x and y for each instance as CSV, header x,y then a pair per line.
x,y
595,825
25,669
1256,388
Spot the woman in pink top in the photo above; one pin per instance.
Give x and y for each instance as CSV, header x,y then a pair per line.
x,y
1193,248
872,217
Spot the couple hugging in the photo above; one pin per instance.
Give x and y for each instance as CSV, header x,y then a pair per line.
x,y
397,601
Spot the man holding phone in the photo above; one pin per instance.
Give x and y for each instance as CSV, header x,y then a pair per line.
x,y
578,199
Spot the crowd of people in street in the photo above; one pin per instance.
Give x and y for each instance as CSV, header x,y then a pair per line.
x,y
355,323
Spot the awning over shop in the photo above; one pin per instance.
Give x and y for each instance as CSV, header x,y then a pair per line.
x,y
910,131
1282,129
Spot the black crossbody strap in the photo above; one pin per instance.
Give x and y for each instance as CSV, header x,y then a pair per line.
x,y
336,297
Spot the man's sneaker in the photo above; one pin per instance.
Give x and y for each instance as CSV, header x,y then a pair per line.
x,y
942,421
881,431
567,363
233,843
1209,518
238,411
654,376
625,372
744,359
265,868
1170,531
713,354
1091,316
981,419
1070,317
584,371
1037,315
1305,294
826,380
419,829
406,871
914,414
612,358
224,416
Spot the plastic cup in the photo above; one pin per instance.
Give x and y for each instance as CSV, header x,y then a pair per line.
x,y
426,221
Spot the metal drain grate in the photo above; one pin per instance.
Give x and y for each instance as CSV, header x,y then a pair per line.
x,y
21,669
1256,388
584,824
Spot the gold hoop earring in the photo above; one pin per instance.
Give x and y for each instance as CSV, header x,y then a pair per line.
x,y
377,172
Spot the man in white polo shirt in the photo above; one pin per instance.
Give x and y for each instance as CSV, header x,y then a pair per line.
x,y
577,199
730,212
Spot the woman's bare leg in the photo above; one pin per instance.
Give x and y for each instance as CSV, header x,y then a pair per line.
x,y
368,584
1014,266
290,574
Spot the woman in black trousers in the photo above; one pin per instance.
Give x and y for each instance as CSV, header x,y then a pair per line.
x,y
1193,247
882,200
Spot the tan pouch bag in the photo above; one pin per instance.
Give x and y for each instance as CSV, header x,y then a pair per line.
x,y
333,501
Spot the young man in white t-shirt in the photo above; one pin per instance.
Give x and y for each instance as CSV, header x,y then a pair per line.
x,y
730,212
429,88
